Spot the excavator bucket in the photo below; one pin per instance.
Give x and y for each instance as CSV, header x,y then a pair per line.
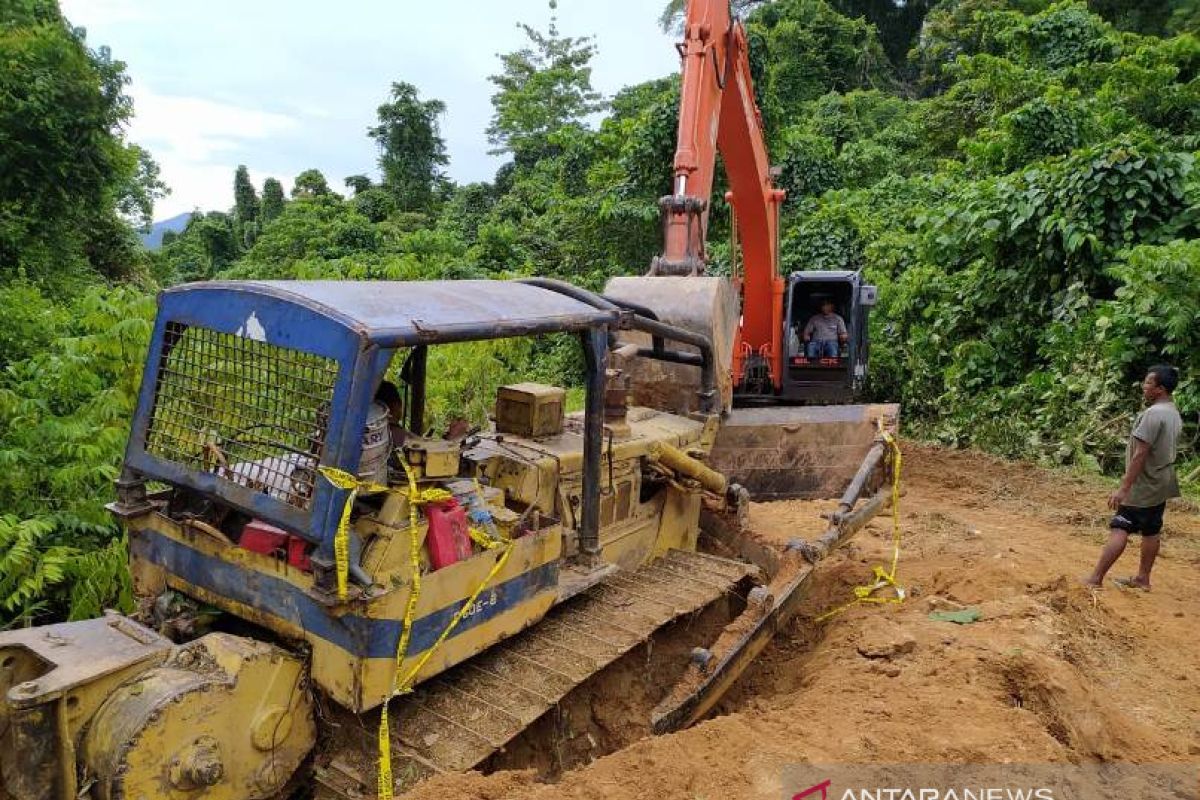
x,y
704,305
775,452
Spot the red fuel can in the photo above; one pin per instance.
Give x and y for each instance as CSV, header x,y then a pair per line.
x,y
448,540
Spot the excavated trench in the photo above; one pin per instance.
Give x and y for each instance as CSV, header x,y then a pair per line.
x,y
612,710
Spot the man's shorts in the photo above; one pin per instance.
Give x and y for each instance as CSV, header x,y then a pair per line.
x,y
1146,521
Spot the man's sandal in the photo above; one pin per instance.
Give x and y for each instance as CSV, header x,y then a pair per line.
x,y
1130,583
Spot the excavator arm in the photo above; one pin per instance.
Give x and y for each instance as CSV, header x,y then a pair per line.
x,y
717,113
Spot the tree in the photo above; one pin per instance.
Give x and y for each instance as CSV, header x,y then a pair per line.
x,y
1153,17
245,199
218,241
68,178
675,11
542,88
359,183
374,203
310,183
411,150
898,23
272,200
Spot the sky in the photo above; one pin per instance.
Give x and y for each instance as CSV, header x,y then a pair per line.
x,y
287,85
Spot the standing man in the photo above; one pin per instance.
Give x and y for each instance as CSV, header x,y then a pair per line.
x,y
825,332
1149,480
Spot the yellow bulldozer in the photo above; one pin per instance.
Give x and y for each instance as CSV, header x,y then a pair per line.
x,y
331,596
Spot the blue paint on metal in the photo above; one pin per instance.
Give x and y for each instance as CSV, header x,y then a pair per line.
x,y
356,323
392,313
361,636
284,323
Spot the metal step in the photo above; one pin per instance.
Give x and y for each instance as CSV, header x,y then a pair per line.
x,y
454,721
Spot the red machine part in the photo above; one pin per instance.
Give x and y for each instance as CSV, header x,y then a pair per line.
x,y
448,540
261,537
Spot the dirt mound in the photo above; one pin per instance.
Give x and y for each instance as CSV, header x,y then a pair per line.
x,y
1050,673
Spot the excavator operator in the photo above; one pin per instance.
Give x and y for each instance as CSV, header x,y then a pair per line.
x,y
825,332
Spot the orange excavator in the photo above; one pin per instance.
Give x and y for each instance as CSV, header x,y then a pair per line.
x,y
792,426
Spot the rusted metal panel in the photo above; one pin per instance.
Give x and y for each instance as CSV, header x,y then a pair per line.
x,y
800,451
53,679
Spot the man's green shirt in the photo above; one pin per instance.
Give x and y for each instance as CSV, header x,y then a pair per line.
x,y
1158,426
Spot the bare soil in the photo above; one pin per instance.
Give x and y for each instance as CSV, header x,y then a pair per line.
x,y
1053,672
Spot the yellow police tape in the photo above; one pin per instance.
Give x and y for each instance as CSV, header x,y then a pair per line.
x,y
403,685
341,539
883,579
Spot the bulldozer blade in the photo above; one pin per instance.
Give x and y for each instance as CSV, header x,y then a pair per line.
x,y
454,721
683,709
705,683
798,451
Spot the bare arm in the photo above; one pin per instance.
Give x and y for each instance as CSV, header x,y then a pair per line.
x,y
1141,451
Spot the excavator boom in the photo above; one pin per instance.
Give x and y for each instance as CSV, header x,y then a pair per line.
x,y
756,316
717,112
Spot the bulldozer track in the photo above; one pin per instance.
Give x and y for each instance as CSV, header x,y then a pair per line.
x,y
453,722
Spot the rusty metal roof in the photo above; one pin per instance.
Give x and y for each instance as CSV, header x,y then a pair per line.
x,y
394,313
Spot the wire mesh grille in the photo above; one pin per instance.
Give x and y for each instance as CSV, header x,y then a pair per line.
x,y
254,413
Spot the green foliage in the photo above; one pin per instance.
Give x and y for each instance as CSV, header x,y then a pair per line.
x,y
272,200
1150,17
809,166
808,50
31,321
1067,34
467,377
411,150
245,198
209,243
317,226
1156,310
64,418
375,203
358,183
310,183
67,176
541,88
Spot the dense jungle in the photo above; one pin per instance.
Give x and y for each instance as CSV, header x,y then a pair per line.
x,y
1017,176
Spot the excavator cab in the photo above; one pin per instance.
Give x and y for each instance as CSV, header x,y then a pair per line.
x,y
820,377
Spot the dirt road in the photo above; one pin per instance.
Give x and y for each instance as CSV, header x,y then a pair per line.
x,y
1052,672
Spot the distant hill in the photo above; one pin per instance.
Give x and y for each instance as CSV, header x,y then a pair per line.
x,y
153,239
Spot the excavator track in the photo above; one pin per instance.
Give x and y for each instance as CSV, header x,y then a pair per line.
x,y
453,722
